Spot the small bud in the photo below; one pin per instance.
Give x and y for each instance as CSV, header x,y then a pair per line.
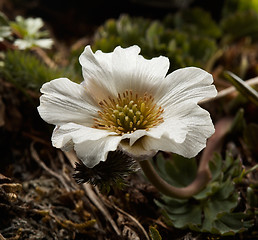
x,y
112,172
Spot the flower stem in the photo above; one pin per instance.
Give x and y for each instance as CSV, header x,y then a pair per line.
x,y
203,174
203,177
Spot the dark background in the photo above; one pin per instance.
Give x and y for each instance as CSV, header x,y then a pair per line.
x,y
74,19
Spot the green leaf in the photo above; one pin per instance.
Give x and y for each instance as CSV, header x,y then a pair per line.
x,y
3,20
177,170
231,223
154,233
232,168
242,87
5,30
184,46
215,166
181,214
202,48
239,123
250,136
207,191
195,21
210,210
153,33
252,197
215,207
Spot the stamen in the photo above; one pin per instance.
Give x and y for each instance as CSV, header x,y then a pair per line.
x,y
128,113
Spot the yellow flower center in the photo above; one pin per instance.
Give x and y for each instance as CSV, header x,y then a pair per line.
x,y
128,113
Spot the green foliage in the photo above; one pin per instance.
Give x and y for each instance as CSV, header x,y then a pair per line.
x,y
185,46
195,21
248,5
231,6
213,209
26,71
239,25
250,137
189,37
5,30
252,197
239,123
247,91
154,233
125,32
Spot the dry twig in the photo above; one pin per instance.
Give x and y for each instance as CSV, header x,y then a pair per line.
x,y
36,157
108,203
230,90
93,197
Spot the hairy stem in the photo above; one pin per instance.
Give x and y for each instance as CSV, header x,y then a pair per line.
x,y
203,174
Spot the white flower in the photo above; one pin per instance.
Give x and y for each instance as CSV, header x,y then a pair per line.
x,y
127,102
31,25
26,43
29,31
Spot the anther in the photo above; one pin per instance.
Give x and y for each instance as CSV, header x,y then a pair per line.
x,y
142,108
128,113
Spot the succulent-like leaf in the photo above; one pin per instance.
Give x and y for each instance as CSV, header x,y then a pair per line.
x,y
171,169
183,46
195,21
211,210
252,197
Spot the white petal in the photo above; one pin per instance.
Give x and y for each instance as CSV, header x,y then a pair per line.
x,y
64,101
59,140
97,73
93,152
172,127
77,133
198,126
107,74
23,44
133,137
137,150
44,43
33,25
186,85
133,72
91,145
184,88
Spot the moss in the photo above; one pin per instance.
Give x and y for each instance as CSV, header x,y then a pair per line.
x,y
26,71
